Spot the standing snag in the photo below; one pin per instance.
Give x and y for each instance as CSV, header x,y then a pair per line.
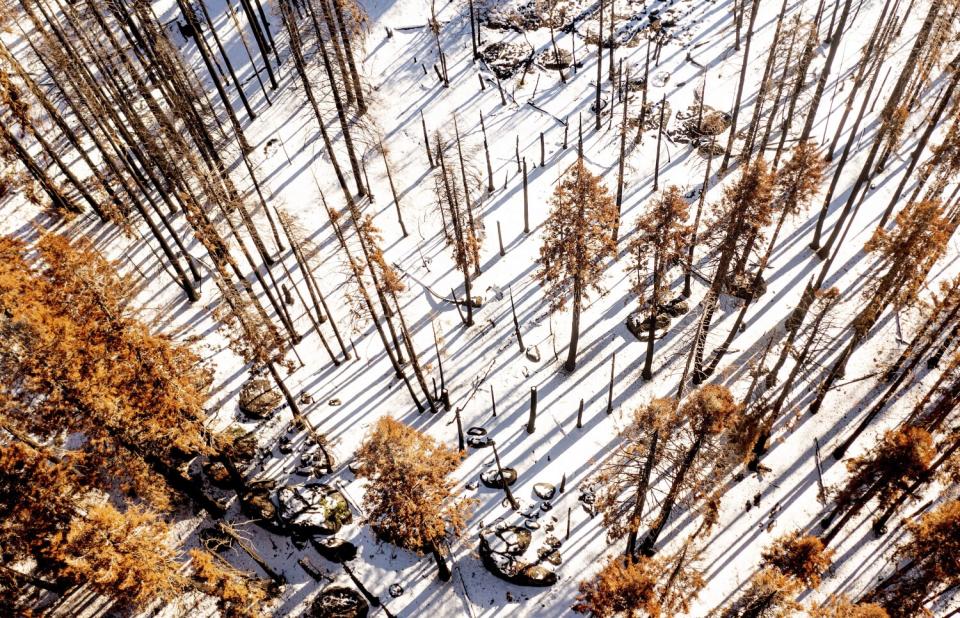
x,y
576,241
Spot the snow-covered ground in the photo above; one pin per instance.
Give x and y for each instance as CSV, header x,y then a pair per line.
x,y
486,356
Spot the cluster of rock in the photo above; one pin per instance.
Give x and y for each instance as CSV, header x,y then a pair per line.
x,y
505,58
638,322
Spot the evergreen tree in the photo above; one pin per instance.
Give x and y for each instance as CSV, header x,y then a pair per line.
x,y
930,564
410,498
576,241
625,478
708,444
661,238
622,587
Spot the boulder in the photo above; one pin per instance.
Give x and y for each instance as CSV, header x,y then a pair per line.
x,y
312,508
241,446
256,504
676,307
479,441
544,491
491,478
395,590
742,286
258,398
217,474
335,549
533,353
501,551
339,602
638,323
505,58
562,59
535,575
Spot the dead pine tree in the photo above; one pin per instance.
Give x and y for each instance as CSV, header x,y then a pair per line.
x,y
660,238
743,212
620,163
393,189
599,67
516,323
358,280
451,201
300,64
701,200
908,252
486,152
337,101
656,164
743,76
576,241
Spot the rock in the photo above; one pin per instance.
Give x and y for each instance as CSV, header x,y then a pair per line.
x,y
550,555
333,402
553,541
535,575
660,79
257,504
339,602
217,474
544,491
533,353
306,398
242,446
312,508
479,441
335,549
676,307
638,323
472,485
491,478
546,505
532,524
258,399
603,105
505,58
553,60
501,551
395,590
476,431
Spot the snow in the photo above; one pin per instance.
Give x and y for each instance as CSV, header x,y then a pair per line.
x,y
486,355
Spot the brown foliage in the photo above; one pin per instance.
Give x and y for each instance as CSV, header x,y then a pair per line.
x,y
410,498
770,595
917,241
662,234
933,555
843,607
238,594
621,588
624,476
576,236
799,178
903,455
79,360
805,558
123,555
711,409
